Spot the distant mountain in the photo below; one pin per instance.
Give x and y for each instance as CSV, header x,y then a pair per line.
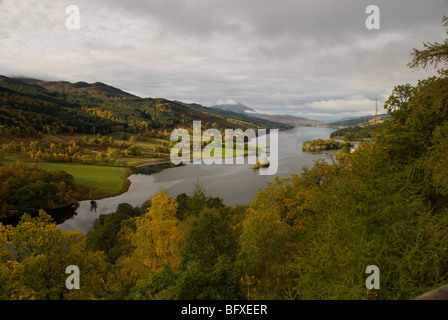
x,y
96,89
284,119
289,119
245,117
347,122
238,108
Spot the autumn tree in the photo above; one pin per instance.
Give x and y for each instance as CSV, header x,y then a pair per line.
x,y
34,257
370,213
103,235
193,204
156,241
206,263
28,188
263,253
207,258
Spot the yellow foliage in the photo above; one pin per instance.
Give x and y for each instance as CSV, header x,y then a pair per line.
x,y
34,256
156,241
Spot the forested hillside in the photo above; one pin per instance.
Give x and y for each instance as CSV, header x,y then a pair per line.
x,y
358,121
357,132
26,109
96,89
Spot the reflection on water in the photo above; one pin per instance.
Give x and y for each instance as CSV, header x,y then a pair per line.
x,y
235,184
64,214
93,206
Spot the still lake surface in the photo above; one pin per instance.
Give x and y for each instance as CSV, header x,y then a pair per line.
x,y
235,184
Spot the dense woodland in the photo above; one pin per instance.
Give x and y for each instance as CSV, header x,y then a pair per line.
x,y
28,188
354,133
98,150
325,144
310,236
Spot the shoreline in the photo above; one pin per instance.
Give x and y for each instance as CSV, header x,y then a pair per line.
x,y
91,192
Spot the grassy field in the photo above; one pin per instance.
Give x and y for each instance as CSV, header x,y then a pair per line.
x,y
99,181
95,180
106,180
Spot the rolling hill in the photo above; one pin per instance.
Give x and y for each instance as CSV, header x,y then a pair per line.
x,y
97,89
348,122
358,128
27,107
238,108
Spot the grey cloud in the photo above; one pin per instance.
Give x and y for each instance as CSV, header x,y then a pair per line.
x,y
288,31
323,19
265,53
4,34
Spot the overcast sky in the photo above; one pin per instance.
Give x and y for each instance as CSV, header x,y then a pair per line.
x,y
312,58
